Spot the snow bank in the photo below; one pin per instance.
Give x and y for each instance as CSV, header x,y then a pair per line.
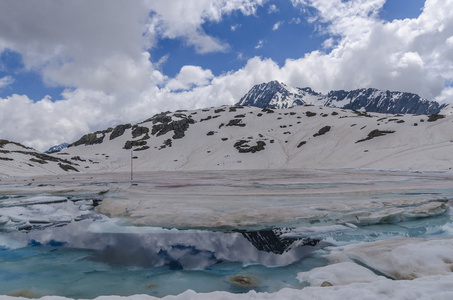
x,y
394,215
338,274
401,258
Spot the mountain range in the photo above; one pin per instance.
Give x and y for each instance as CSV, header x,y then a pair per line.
x,y
275,94
250,137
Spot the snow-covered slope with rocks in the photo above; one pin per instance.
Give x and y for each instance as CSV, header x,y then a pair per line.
x,y
240,137
253,138
18,160
278,95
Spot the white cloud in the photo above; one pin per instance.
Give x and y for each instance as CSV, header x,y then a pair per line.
x,y
446,96
190,77
184,19
101,44
83,44
277,25
235,27
5,81
410,55
260,44
272,9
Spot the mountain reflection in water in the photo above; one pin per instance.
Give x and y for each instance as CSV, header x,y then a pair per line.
x,y
175,249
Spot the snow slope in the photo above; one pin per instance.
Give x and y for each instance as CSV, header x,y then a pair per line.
x,y
18,160
252,138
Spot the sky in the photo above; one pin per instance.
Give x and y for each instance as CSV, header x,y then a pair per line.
x,y
76,66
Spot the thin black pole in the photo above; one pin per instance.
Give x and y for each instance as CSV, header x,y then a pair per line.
x,y
131,166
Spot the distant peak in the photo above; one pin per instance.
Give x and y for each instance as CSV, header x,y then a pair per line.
x,y
276,94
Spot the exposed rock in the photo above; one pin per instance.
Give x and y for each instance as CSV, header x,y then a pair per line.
x,y
142,148
45,157
167,143
322,131
178,127
235,122
242,280
139,130
130,144
435,117
301,144
243,147
119,130
39,161
159,118
91,138
78,158
326,283
5,142
67,168
375,133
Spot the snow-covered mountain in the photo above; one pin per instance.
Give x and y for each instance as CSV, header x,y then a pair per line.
x,y
57,148
238,137
278,95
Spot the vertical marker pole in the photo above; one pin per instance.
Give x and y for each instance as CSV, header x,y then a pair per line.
x,y
131,166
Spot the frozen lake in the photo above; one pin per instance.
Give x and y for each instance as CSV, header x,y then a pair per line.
x,y
86,235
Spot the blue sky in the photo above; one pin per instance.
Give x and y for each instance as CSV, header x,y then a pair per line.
x,y
82,66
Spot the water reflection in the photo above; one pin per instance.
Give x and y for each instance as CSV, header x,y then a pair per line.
x,y
175,250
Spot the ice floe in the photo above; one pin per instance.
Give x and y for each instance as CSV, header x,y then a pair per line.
x,y
42,210
394,215
401,258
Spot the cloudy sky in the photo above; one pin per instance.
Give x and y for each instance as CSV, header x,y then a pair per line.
x,y
76,66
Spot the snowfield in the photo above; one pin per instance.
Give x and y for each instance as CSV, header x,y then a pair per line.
x,y
238,138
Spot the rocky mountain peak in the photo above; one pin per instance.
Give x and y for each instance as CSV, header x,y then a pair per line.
x,y
275,94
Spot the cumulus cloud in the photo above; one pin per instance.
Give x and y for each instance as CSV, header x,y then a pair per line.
x,y
410,55
78,44
190,77
184,19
